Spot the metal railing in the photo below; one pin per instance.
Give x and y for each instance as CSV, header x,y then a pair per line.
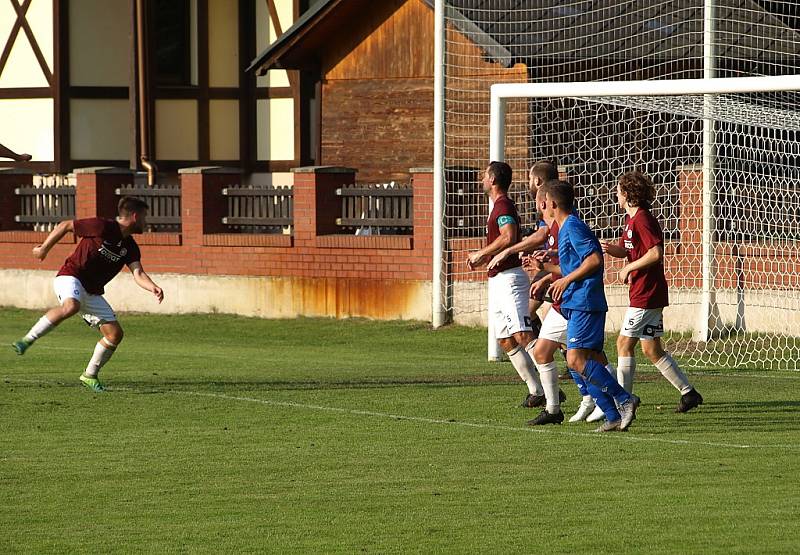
x,y
259,209
377,209
41,208
164,201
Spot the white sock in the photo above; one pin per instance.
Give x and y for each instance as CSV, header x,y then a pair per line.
x,y
524,366
100,356
548,373
40,328
670,370
626,366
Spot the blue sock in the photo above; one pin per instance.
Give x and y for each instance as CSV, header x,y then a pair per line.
x,y
604,389
596,374
579,381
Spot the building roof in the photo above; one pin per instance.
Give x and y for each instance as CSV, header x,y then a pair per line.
x,y
528,31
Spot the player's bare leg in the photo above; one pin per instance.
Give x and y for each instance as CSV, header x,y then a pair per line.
x,y
662,360
103,351
46,323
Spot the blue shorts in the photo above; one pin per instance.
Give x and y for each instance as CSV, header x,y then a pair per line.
x,y
585,330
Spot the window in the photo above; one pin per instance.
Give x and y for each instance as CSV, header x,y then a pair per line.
x,y
173,48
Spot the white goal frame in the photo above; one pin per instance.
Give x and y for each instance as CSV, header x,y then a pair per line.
x,y
501,93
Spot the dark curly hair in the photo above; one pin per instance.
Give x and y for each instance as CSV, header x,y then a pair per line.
x,y
638,189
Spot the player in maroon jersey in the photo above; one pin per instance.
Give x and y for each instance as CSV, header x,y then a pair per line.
x,y
508,289
642,243
105,247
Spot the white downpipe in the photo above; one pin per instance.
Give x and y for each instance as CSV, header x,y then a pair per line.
x,y
497,141
705,317
438,308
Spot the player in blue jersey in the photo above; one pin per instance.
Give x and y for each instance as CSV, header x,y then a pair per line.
x,y
583,303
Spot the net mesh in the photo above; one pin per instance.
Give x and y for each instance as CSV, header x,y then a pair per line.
x,y
756,172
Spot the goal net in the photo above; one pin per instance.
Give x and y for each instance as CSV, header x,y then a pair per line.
x,y
725,157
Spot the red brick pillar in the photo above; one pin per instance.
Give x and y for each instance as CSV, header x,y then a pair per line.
x,y
316,205
690,190
422,183
202,203
10,179
95,190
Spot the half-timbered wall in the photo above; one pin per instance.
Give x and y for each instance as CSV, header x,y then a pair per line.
x,y
27,62
276,131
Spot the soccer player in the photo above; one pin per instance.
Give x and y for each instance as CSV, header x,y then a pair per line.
x,y
553,333
509,285
642,243
583,303
105,247
540,172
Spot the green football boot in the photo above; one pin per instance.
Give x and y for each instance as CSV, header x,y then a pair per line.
x,y
92,383
20,346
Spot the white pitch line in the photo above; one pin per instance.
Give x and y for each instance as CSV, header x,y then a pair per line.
x,y
621,436
462,423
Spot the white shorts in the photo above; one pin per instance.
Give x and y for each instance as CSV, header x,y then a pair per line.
x,y
509,293
95,310
554,327
643,323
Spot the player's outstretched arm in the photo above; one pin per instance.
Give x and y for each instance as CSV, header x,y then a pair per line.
x,y
143,280
40,251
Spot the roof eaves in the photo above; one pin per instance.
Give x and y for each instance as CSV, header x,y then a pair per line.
x,y
265,59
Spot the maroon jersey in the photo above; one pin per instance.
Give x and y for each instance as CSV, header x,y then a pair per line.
x,y
100,255
504,212
552,245
648,285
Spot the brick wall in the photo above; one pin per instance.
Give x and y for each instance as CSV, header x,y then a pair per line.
x,y
319,258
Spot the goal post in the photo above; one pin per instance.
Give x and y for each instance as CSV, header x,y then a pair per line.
x,y
752,114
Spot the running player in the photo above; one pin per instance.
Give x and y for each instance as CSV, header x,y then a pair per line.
x,y
105,247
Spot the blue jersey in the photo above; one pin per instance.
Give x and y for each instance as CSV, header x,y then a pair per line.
x,y
575,243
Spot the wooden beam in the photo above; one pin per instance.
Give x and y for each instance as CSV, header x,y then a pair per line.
x,y
62,149
12,36
276,23
34,44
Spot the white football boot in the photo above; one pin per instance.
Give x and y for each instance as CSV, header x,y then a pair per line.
x,y
584,410
596,416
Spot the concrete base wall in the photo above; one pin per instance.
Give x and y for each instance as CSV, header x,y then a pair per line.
x,y
261,296
764,311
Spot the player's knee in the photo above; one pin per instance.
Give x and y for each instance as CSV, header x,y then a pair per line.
x,y
70,307
652,350
542,352
575,361
114,335
624,346
507,343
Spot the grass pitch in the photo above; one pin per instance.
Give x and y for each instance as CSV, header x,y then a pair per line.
x,y
224,434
